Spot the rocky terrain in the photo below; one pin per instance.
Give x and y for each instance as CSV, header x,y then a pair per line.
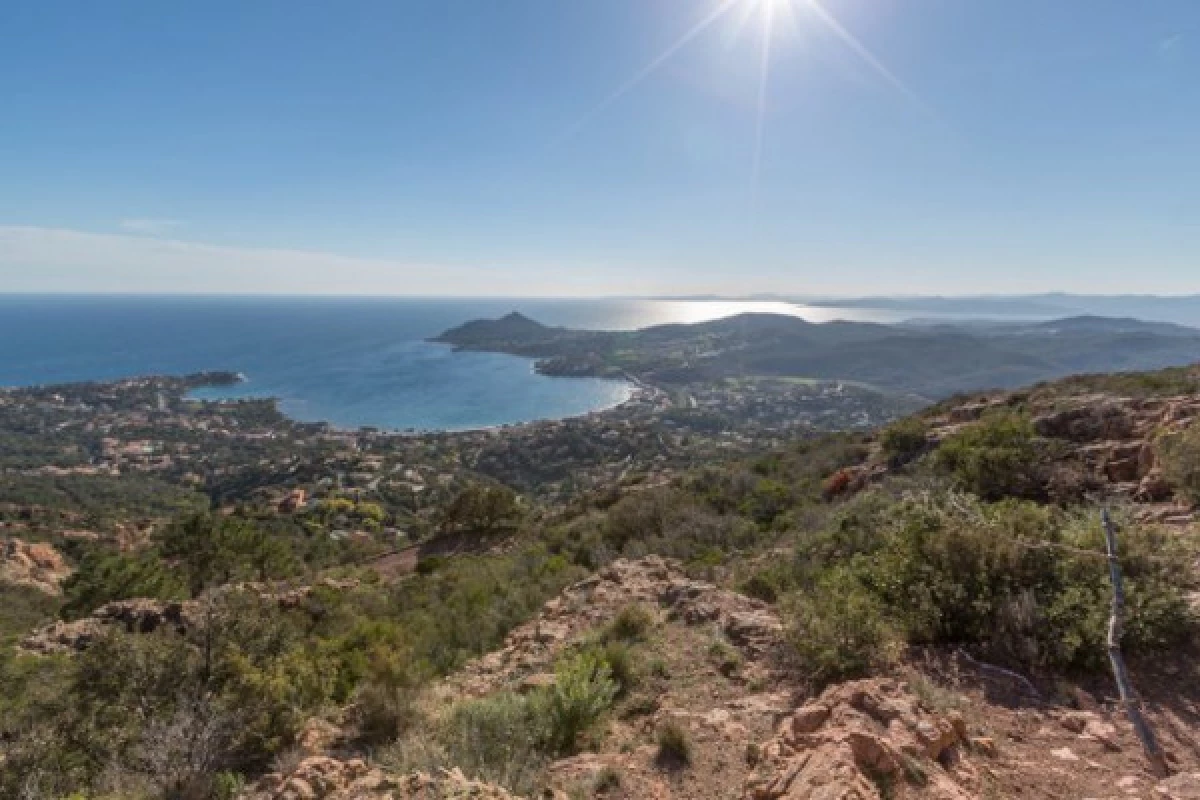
x,y
1112,438
34,564
332,779
1104,443
144,615
450,668
944,732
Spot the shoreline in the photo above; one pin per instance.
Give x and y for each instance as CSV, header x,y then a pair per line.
x,y
634,389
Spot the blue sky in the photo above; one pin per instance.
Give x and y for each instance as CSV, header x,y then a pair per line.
x,y
477,147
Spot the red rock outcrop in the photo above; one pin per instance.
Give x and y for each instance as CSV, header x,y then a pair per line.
x,y
34,564
858,737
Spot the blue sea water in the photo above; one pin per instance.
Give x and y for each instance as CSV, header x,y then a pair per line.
x,y
348,361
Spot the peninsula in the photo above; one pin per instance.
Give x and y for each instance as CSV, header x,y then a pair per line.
x,y
933,360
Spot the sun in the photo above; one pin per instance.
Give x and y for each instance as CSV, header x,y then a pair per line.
x,y
768,14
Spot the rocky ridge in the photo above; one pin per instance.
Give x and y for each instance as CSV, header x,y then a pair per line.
x,y
1107,444
654,582
759,737
146,615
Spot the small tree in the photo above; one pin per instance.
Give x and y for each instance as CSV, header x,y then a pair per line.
x,y
212,551
480,508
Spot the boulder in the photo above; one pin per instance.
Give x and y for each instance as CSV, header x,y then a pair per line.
x,y
1088,422
853,736
809,718
34,564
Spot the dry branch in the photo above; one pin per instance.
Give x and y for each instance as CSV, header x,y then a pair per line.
x,y
1116,622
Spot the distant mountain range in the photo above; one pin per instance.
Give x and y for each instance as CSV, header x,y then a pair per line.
x,y
1180,309
932,359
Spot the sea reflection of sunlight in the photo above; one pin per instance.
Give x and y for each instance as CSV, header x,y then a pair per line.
x,y
692,311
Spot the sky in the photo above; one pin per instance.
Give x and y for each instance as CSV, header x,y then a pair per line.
x,y
600,147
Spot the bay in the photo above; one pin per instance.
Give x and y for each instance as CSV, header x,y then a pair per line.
x,y
348,361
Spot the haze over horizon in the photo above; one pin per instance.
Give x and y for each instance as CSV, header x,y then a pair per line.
x,y
531,148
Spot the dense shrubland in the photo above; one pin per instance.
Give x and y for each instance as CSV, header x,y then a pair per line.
x,y
1019,583
201,551
236,688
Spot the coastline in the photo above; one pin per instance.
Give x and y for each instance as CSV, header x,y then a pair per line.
x,y
634,390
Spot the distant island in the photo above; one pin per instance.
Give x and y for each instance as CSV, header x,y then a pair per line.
x,y
934,360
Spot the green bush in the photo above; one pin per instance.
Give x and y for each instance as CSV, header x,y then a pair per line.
x,y
997,457
727,658
481,508
838,629
382,712
22,608
606,780
763,585
583,690
1014,580
469,605
674,745
622,664
631,624
104,576
904,441
507,738
497,739
1180,458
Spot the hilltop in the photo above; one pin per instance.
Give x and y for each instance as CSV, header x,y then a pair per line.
x,y
930,360
913,611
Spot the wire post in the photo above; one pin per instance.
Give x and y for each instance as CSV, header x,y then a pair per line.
x,y
1116,623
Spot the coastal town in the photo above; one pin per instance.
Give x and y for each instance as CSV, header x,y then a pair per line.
x,y
148,441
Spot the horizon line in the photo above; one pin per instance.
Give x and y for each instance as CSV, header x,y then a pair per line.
x,y
758,297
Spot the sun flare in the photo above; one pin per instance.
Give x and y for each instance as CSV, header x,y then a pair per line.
x,y
769,17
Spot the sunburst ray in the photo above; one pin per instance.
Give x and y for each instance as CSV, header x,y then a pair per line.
x,y
650,67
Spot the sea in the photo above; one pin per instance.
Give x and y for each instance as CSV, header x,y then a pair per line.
x,y
351,362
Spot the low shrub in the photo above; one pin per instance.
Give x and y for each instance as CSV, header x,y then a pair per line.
x,y
904,441
1022,583
430,564
622,664
674,745
498,739
583,690
1180,458
997,457
838,629
606,780
382,712
631,624
727,658
763,585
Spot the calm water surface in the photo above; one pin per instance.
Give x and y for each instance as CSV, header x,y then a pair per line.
x,y
347,361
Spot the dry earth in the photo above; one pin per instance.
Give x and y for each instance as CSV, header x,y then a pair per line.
x,y
942,731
